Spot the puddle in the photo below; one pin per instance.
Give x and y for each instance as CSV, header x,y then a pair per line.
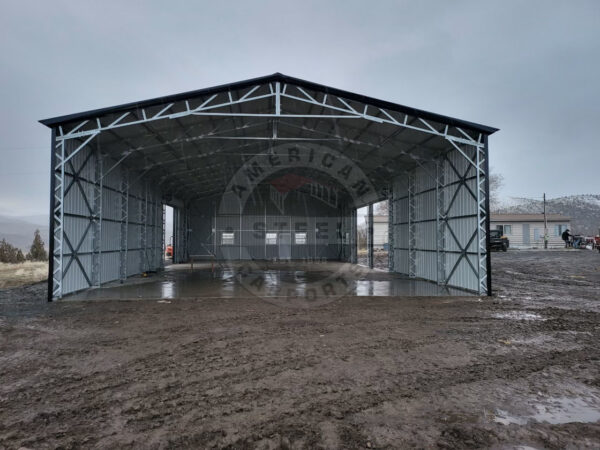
x,y
518,315
556,410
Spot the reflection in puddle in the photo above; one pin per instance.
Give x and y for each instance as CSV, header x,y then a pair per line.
x,y
557,410
518,315
167,289
320,280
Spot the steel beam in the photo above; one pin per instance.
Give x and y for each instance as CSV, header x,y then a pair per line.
x,y
51,215
412,226
370,255
124,225
441,216
391,215
97,219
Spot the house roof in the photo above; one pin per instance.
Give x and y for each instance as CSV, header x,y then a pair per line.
x,y
528,218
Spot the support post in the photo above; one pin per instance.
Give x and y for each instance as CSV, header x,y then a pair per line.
x,y
353,237
57,236
124,225
487,218
142,220
370,256
51,215
412,228
164,236
440,192
482,219
97,220
391,219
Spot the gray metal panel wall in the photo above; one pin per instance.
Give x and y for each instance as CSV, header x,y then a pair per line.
x,y
93,217
324,227
444,188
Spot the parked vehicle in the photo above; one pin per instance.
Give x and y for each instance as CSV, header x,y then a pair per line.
x,y
498,242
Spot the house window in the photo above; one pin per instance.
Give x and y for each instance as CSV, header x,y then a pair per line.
x,y
271,238
507,229
300,238
559,229
227,238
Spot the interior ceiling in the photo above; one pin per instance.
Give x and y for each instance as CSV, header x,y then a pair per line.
x,y
195,156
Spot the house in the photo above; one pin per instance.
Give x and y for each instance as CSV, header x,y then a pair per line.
x,y
527,230
380,231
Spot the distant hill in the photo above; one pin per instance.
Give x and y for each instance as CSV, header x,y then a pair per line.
x,y
19,231
584,210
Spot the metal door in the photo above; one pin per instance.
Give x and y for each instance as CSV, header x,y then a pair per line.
x,y
526,237
285,246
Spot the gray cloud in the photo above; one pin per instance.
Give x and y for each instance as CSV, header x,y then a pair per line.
x,y
529,68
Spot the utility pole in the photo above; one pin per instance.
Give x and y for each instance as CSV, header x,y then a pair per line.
x,y
545,224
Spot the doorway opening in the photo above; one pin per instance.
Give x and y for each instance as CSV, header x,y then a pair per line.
x,y
381,233
168,235
362,257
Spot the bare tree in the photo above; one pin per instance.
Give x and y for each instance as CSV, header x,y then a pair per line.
x,y
382,208
496,183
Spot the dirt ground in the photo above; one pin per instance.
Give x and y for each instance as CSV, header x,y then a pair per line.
x,y
518,370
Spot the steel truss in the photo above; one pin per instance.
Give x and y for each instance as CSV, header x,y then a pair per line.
x,y
333,107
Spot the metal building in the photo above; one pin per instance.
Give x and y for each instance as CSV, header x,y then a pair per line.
x,y
272,167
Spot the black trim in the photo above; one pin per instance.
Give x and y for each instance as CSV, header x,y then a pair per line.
x,y
51,225
55,121
488,245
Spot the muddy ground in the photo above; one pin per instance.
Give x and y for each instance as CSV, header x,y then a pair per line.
x,y
518,369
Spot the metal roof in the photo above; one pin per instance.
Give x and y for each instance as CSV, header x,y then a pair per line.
x,y
54,121
191,144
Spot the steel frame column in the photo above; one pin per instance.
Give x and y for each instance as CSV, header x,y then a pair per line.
x,y
353,237
97,220
482,219
412,228
53,187
164,236
391,229
370,259
58,220
124,226
143,205
487,218
441,221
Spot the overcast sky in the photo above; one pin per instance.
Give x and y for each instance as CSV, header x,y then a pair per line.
x,y
530,68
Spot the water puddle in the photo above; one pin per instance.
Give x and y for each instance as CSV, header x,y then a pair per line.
x,y
556,410
518,315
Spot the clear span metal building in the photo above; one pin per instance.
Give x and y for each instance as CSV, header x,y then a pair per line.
x,y
272,167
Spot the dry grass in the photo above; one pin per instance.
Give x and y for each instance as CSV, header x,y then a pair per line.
x,y
12,275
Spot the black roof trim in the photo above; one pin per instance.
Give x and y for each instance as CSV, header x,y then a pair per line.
x,y
55,121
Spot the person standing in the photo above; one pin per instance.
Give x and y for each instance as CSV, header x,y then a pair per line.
x,y
565,237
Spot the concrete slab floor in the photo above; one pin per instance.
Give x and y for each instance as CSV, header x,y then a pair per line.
x,y
266,279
